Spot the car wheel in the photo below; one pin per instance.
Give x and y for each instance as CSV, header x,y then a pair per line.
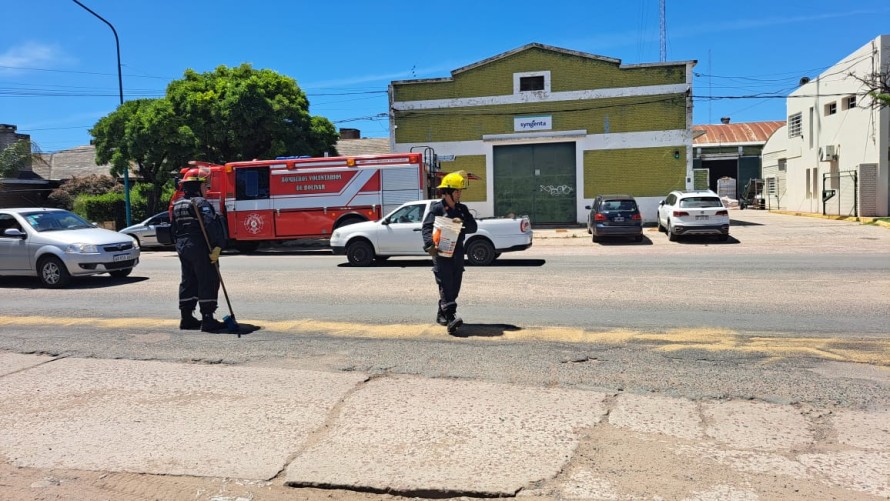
x,y
360,253
121,273
589,231
670,231
660,227
595,238
480,252
52,272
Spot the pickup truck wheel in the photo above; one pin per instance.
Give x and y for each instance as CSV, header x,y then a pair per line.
x,y
360,253
480,252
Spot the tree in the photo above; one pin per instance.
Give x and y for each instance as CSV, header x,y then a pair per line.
x,y
243,113
877,85
16,157
149,134
228,115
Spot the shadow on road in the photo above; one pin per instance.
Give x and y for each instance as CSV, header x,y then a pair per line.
x,y
77,283
485,330
426,263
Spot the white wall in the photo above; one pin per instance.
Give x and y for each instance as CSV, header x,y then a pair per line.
x,y
859,134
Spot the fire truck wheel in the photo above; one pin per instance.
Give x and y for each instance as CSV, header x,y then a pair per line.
x,y
360,253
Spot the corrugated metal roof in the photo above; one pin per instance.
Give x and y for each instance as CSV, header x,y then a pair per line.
x,y
730,134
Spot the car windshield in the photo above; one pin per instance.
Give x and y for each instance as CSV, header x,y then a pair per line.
x,y
55,220
700,202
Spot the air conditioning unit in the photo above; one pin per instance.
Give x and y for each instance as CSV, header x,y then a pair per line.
x,y
829,153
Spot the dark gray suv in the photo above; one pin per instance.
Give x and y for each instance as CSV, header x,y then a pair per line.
x,y
615,216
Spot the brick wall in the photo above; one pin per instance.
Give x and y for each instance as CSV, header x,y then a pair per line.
x,y
641,172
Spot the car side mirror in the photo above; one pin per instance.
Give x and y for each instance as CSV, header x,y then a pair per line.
x,y
384,221
14,233
587,207
661,203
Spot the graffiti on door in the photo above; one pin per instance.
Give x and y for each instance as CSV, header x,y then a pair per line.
x,y
558,191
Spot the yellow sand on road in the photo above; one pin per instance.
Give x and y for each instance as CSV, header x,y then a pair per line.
x,y
874,351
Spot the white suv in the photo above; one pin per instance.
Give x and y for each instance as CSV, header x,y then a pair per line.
x,y
699,212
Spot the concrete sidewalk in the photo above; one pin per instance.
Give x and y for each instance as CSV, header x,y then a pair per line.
x,y
439,438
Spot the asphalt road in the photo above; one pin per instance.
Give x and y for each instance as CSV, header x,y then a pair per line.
x,y
753,317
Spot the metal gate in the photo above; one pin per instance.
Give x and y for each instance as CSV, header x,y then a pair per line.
x,y
538,180
840,193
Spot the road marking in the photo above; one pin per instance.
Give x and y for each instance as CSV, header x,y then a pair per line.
x,y
874,351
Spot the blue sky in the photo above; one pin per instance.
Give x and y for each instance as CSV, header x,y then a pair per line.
x,y
58,66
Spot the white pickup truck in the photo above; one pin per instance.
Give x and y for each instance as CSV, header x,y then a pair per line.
x,y
398,234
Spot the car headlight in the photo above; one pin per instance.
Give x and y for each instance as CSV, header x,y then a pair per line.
x,y
82,249
136,244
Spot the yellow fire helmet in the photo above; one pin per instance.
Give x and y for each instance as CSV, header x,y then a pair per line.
x,y
455,181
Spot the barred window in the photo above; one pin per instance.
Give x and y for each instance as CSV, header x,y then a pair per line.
x,y
831,108
848,103
771,185
794,122
783,163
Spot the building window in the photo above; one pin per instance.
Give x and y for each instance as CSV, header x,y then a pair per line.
x,y
533,81
783,164
848,103
771,185
831,108
794,125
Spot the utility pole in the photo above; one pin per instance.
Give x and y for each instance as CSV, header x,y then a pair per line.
x,y
661,30
120,86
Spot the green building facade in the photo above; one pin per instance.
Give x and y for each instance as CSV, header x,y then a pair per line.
x,y
548,129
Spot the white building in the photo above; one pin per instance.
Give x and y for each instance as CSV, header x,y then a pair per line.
x,y
833,154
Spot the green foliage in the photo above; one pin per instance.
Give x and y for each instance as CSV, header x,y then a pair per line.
x,y
242,113
227,115
15,157
110,206
93,184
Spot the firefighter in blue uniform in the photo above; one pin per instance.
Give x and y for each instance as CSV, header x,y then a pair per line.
x,y
449,271
200,281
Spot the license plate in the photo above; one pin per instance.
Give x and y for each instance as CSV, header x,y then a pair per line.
x,y
701,218
618,219
121,257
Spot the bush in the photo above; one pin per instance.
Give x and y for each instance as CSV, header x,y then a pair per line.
x,y
111,206
94,184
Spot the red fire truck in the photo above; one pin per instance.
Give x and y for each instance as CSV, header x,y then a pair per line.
x,y
290,198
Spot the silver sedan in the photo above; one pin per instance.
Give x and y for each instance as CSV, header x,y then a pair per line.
x,y
55,245
146,232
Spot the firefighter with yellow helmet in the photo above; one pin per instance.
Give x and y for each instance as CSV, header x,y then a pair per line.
x,y
199,285
449,270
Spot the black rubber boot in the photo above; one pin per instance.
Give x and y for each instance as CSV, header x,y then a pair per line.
x,y
454,323
210,324
440,318
188,321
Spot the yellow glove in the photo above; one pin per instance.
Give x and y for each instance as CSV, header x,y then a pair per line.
x,y
214,254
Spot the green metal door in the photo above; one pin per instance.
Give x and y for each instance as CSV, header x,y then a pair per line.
x,y
537,180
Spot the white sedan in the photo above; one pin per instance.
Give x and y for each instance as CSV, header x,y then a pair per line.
x,y
55,245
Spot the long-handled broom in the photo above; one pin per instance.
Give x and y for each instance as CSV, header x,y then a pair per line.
x,y
229,320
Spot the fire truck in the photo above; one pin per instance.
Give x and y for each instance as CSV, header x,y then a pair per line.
x,y
291,198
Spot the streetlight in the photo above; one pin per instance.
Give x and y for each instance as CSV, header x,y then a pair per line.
x,y
120,85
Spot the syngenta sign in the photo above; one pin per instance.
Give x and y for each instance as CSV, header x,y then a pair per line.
x,y
526,124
